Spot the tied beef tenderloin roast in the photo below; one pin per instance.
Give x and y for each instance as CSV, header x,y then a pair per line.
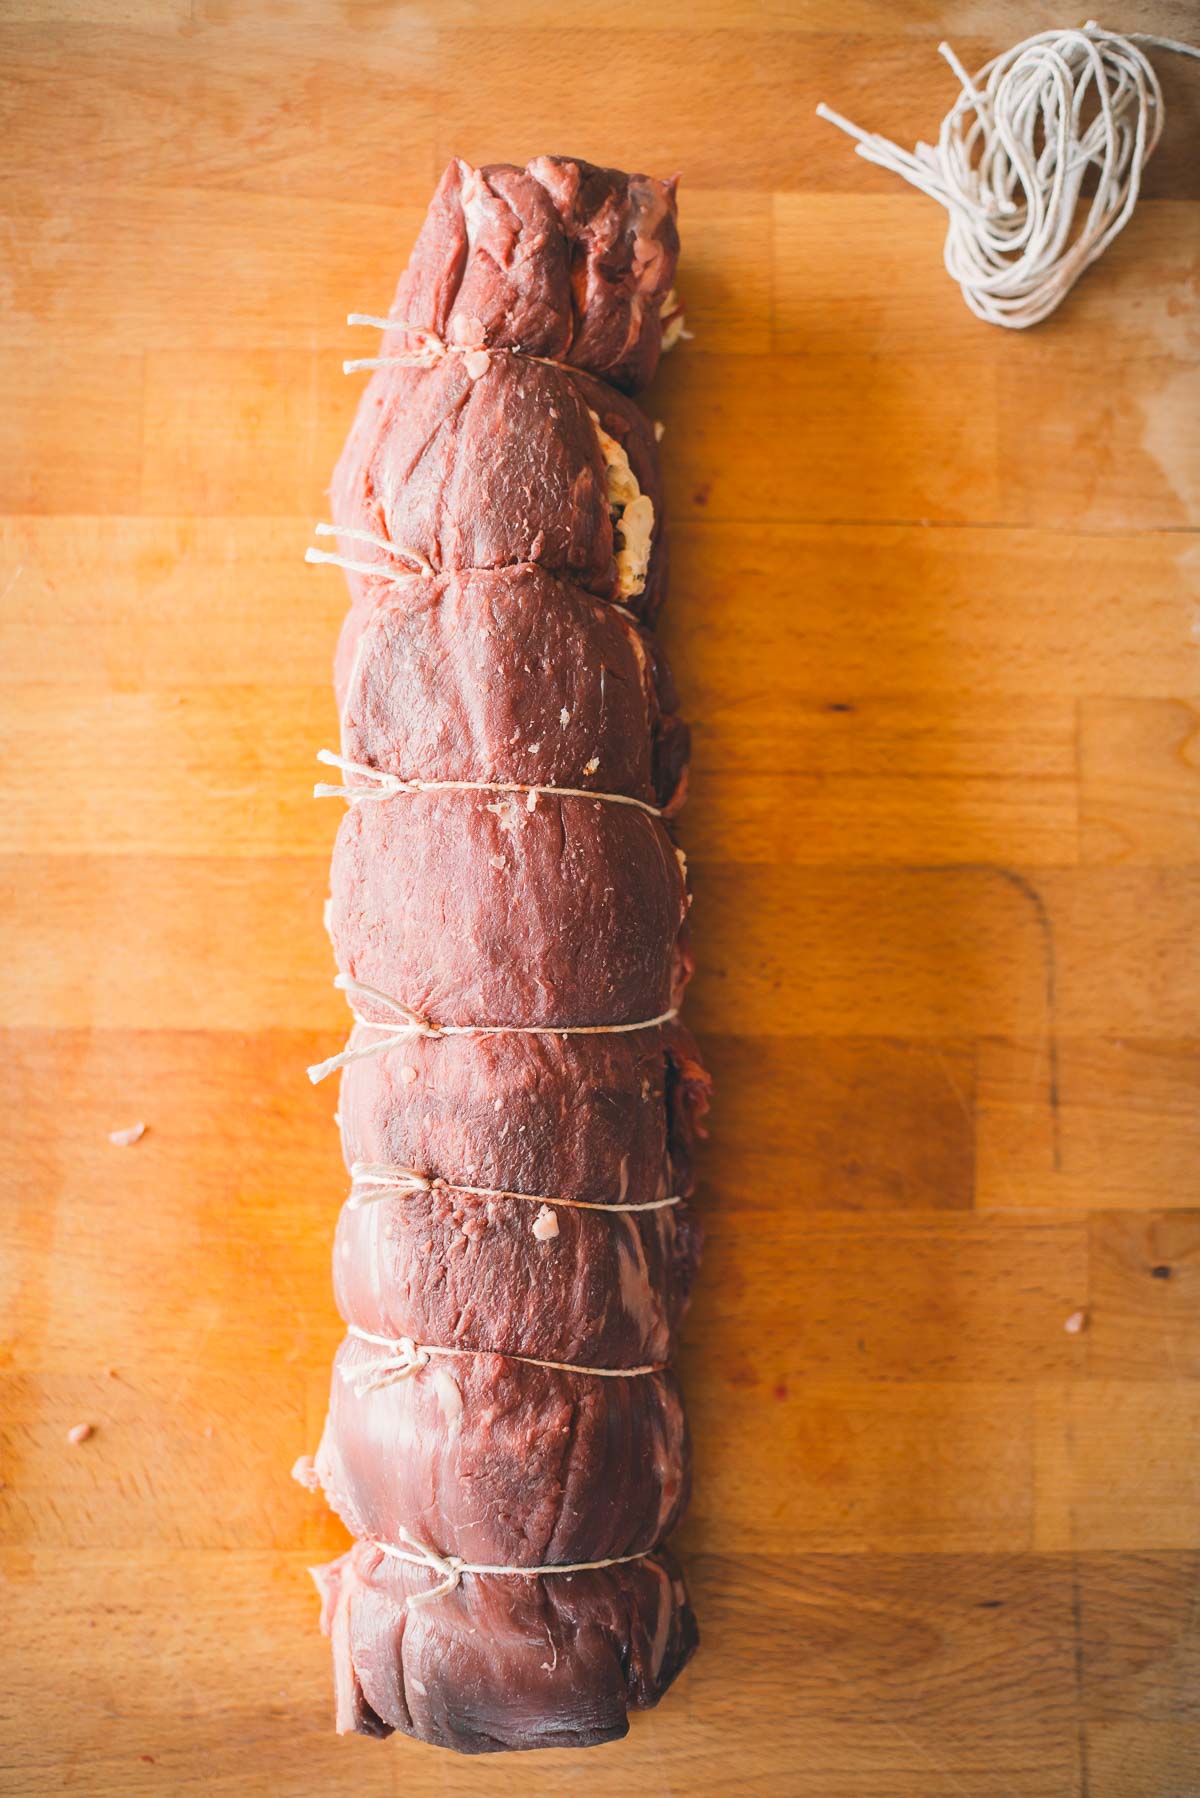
x,y
519,1102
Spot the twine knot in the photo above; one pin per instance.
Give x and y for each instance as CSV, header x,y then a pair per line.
x,y
450,1569
407,1358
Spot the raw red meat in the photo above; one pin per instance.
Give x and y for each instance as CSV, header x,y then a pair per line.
x,y
519,1103
421,471
560,259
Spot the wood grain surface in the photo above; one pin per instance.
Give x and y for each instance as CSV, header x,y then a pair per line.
x,y
935,620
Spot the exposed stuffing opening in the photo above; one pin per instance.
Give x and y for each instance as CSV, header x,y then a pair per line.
x,y
632,512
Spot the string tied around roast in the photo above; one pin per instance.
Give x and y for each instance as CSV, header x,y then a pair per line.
x,y
414,1023
371,1181
406,1357
423,570
389,785
451,1568
431,349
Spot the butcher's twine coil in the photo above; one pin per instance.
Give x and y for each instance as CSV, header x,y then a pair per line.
x,y
416,1024
408,1357
392,784
1012,156
450,1568
372,1180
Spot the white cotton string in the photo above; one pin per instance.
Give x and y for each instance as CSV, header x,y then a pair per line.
x,y
391,784
418,359
381,324
422,566
372,1180
433,348
407,1357
360,536
412,1022
415,1024
400,575
380,1178
396,575
389,324
450,1568
1012,156
671,313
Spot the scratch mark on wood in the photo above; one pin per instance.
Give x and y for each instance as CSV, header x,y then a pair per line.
x,y
1077,1645
1045,923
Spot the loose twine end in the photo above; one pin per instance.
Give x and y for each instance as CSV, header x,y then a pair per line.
x,y
352,533
407,1358
412,1023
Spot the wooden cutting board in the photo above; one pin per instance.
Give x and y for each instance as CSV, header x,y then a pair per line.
x,y
934,618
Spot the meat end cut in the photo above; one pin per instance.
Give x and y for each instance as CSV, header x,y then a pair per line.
x,y
509,914
560,259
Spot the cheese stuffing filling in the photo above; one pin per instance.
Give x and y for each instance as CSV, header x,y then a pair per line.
x,y
633,515
671,313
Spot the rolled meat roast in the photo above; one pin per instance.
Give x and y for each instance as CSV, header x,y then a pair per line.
x,y
519,1102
